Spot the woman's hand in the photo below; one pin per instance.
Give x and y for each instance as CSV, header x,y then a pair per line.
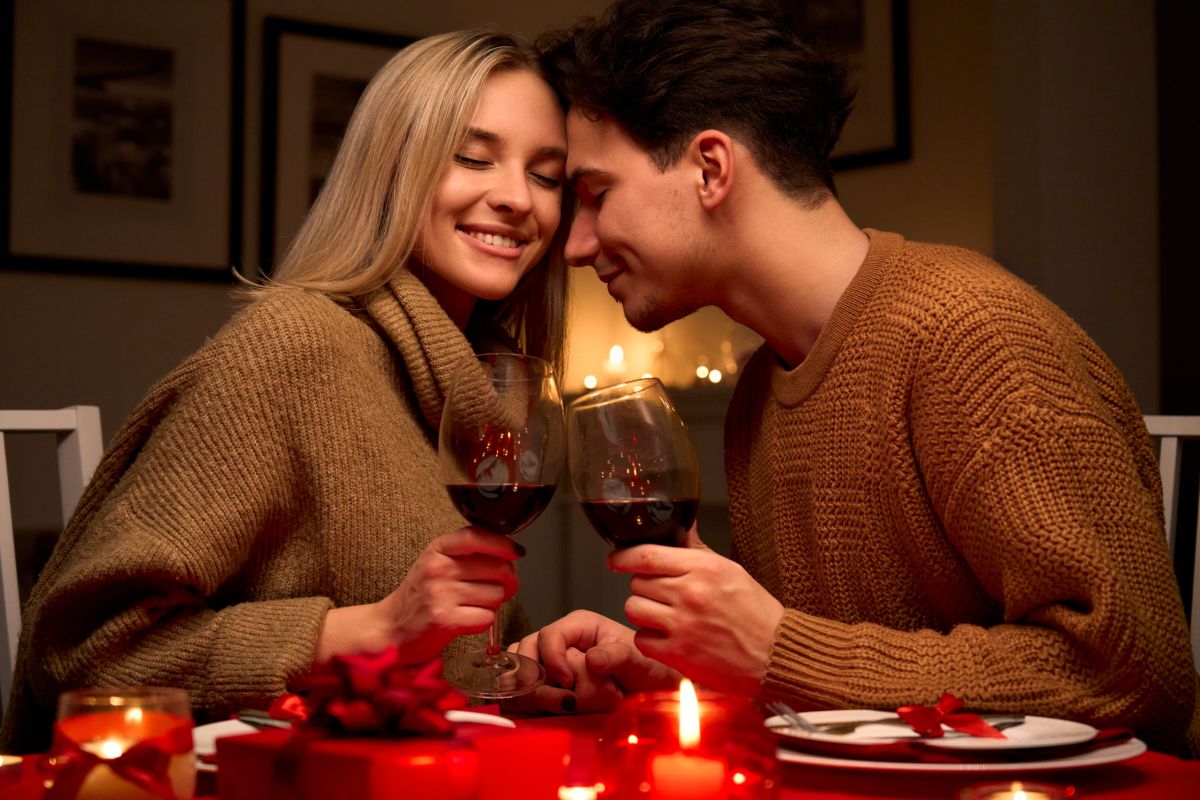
x,y
454,587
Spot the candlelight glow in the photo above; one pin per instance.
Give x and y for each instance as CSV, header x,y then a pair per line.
x,y
633,739
111,748
715,376
589,381
133,716
577,793
616,355
689,715
701,372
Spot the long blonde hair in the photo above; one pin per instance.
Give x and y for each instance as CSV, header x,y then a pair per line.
x,y
404,131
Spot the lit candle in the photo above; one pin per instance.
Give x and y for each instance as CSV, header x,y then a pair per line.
x,y
1016,791
108,735
687,774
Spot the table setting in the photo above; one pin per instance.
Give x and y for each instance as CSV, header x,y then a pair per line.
x,y
371,727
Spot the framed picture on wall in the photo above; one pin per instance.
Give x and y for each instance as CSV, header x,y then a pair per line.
x,y
872,37
125,130
313,75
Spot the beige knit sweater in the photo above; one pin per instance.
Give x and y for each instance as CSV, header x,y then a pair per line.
x,y
955,492
287,467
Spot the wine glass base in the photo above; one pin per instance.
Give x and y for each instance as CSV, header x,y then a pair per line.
x,y
514,676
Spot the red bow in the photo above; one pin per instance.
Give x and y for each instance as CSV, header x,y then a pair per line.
x,y
928,720
145,764
372,695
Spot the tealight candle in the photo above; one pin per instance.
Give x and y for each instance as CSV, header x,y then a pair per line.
x,y
687,774
1017,790
99,730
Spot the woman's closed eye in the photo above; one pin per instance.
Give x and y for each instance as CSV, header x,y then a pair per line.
x,y
546,180
471,163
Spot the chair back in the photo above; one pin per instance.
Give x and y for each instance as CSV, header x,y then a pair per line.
x,y
1182,535
80,446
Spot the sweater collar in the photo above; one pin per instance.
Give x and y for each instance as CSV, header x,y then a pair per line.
x,y
792,387
431,346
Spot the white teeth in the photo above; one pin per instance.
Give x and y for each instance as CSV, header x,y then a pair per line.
x,y
495,240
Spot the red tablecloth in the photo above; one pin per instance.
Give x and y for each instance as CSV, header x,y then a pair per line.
x,y
1150,776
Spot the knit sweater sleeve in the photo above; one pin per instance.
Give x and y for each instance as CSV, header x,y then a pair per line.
x,y
139,593
1028,445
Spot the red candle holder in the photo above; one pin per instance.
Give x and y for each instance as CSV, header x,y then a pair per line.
x,y
123,744
1017,790
647,751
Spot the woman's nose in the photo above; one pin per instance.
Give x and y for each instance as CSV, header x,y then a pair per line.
x,y
511,193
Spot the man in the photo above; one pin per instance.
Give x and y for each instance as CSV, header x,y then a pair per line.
x,y
937,480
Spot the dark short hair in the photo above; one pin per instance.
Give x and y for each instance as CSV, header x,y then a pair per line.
x,y
664,70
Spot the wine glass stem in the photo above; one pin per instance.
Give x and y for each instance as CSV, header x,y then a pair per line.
x,y
493,657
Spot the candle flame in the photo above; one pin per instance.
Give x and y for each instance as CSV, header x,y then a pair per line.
x,y
689,715
133,716
111,748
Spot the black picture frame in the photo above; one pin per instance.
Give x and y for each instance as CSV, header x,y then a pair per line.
x,y
51,218
295,54
872,37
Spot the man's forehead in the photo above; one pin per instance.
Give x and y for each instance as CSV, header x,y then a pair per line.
x,y
594,144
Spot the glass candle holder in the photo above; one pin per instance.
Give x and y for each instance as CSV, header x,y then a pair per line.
x,y
1017,790
687,744
124,744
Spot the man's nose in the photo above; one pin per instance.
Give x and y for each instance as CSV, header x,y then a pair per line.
x,y
582,245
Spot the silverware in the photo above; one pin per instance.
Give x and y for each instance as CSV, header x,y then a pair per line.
x,y
794,720
261,719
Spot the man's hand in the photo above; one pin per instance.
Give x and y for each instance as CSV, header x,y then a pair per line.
x,y
700,613
593,663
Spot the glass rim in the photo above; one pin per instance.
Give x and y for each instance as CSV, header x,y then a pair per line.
x,y
616,392
119,696
543,368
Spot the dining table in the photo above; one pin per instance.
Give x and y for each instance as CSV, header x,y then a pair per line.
x,y
1149,776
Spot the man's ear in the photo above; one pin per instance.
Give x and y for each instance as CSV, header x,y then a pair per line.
x,y
712,152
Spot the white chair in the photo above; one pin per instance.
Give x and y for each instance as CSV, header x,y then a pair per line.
x,y
1170,432
80,446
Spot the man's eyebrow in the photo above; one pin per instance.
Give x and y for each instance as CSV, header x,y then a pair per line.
x,y
490,136
579,173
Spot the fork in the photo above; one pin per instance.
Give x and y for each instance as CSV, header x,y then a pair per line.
x,y
788,713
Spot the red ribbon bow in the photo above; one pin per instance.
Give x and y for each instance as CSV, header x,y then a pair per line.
x,y
928,720
372,695
145,764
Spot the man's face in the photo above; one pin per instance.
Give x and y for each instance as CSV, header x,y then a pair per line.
x,y
635,224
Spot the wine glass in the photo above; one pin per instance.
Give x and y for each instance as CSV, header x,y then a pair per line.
x,y
501,449
633,464
133,742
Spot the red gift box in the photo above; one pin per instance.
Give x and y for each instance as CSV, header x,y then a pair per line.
x,y
480,761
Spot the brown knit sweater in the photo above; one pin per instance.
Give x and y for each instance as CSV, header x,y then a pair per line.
x,y
287,467
955,491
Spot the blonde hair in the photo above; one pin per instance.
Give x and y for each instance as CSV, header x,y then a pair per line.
x,y
406,127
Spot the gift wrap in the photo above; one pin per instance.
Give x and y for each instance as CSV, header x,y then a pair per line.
x,y
479,761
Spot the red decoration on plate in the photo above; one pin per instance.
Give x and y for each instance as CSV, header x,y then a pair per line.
x,y
372,695
928,720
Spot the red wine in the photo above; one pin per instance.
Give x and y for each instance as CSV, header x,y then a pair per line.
x,y
501,507
624,523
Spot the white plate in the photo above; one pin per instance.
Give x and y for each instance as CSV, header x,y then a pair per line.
x,y
1033,732
204,737
1104,755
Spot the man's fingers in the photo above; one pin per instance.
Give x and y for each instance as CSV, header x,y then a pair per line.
x,y
651,559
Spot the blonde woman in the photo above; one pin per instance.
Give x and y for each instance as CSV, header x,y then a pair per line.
x,y
275,500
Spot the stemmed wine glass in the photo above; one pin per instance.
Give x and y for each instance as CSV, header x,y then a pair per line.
x,y
501,449
633,464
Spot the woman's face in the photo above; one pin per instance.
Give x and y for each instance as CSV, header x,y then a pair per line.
x,y
497,205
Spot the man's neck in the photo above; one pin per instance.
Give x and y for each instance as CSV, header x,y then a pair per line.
x,y
792,265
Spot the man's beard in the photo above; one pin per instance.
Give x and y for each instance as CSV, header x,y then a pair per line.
x,y
651,314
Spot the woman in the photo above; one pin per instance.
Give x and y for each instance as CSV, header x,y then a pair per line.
x,y
275,500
